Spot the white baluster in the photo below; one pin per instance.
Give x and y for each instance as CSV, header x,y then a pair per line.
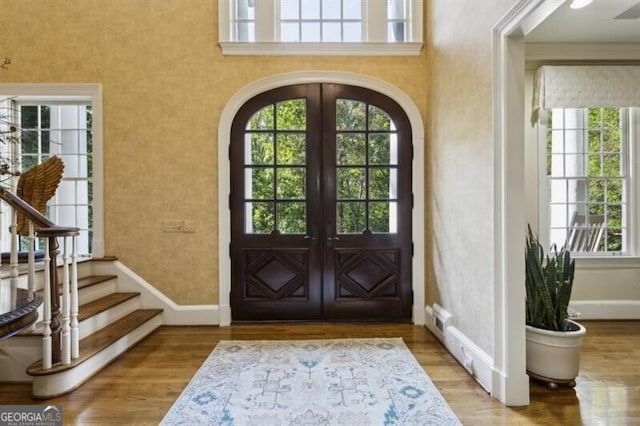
x,y
46,321
65,338
13,256
2,211
31,277
75,331
32,257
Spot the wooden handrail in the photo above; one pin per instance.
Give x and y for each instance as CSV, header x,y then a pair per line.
x,y
57,231
25,208
46,229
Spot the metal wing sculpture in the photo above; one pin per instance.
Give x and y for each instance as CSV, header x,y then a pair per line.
x,y
36,186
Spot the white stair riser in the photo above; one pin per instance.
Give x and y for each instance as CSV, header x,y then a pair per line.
x,y
96,291
101,320
88,294
56,384
85,269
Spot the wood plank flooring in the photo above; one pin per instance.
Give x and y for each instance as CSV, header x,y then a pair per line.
x,y
140,386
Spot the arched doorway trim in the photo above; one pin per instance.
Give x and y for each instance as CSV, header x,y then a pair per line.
x,y
224,184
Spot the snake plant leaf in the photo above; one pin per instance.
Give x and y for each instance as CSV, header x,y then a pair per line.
x,y
548,283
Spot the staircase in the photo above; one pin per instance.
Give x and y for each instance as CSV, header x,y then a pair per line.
x,y
110,322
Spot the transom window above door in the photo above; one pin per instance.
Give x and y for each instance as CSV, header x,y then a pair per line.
x,y
309,27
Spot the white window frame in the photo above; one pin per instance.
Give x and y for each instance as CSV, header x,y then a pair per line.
x,y
90,93
63,146
267,28
630,120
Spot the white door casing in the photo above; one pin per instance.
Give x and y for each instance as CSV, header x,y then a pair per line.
x,y
224,184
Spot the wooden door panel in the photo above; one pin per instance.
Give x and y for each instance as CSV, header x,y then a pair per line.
x,y
275,285
276,275
367,274
369,285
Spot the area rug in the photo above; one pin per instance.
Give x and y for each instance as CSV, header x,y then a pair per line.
x,y
349,382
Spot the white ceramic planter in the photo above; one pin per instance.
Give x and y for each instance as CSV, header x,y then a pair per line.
x,y
554,356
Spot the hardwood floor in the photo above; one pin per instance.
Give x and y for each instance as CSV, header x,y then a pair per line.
x,y
140,386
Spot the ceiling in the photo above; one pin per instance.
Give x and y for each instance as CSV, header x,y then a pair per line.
x,y
595,23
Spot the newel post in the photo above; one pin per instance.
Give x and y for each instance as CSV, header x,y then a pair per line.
x,y
56,325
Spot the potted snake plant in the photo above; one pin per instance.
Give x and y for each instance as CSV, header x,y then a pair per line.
x,y
553,339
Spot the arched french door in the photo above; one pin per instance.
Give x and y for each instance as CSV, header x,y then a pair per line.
x,y
321,205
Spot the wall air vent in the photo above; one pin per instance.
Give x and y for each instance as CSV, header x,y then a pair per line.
x,y
632,13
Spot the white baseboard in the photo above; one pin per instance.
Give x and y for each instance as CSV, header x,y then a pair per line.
x,y
173,314
605,309
473,359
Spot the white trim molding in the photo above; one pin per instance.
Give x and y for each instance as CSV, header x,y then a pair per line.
x,y
151,297
605,309
74,91
539,53
510,383
310,49
224,184
474,360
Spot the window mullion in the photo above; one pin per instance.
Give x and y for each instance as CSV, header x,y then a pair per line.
x,y
415,21
225,19
376,21
267,14
629,134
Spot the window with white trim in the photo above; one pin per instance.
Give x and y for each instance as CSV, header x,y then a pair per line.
x,y
591,162
336,27
63,127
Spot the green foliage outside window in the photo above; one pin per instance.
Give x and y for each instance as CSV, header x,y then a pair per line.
x,y
604,168
605,161
275,186
39,137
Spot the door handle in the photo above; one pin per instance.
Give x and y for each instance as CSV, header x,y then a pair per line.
x,y
313,236
330,237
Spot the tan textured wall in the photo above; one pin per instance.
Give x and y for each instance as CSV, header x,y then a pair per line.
x,y
165,83
460,267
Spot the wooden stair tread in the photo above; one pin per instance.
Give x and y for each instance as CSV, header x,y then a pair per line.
x,y
90,280
101,339
97,306
88,310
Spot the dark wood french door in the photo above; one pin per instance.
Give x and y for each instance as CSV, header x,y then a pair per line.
x,y
321,206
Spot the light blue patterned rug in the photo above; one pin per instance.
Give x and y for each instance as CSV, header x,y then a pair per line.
x,y
352,382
